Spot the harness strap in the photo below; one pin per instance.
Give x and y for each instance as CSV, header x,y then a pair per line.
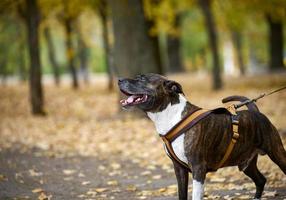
x,y
235,136
188,122
185,124
172,155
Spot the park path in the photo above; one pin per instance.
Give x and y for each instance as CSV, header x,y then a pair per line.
x,y
29,175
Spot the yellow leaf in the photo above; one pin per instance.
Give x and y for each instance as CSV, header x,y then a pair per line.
x,y
85,183
99,190
113,182
145,173
68,171
37,190
3,178
131,188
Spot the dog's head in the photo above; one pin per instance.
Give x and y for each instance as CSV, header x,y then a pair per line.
x,y
149,92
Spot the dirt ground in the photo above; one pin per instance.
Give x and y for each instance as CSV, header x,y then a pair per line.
x,y
84,149
26,175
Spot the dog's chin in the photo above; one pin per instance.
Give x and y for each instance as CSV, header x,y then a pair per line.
x,y
127,108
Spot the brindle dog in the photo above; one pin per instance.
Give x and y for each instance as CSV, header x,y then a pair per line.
x,y
204,145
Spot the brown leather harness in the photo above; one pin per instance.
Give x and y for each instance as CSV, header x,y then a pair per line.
x,y
191,120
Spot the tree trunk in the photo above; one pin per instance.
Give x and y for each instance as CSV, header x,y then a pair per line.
x,y
237,42
213,41
22,70
70,52
135,52
156,43
174,49
3,70
275,28
83,58
36,91
51,54
106,46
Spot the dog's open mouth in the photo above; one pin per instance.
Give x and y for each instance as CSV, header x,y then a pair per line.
x,y
133,99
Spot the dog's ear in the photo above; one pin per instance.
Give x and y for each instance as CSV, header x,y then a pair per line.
x,y
173,87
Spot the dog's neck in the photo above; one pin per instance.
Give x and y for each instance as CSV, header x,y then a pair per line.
x,y
170,116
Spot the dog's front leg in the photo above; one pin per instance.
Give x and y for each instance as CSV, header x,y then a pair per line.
x,y
182,176
199,175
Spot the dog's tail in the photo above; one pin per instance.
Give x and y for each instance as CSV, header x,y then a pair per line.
x,y
251,106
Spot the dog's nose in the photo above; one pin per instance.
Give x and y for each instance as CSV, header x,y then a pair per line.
x,y
120,80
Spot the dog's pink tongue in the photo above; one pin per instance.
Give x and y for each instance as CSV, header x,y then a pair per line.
x,y
130,99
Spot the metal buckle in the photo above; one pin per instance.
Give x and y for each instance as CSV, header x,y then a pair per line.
x,y
231,109
235,128
235,135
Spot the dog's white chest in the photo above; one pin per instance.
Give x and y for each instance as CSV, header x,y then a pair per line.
x,y
168,118
179,150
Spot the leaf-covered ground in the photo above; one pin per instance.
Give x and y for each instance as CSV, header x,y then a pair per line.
x,y
85,149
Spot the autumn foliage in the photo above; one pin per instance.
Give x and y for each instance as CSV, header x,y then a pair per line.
x,y
87,124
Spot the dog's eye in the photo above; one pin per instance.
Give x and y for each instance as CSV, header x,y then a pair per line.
x,y
140,78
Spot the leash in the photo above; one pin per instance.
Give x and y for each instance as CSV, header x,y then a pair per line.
x,y
257,98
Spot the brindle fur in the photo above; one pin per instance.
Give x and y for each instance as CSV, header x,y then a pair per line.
x,y
205,144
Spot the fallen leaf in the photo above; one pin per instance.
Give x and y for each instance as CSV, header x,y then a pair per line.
x,y
43,196
99,190
131,188
244,197
115,166
69,171
37,190
85,183
145,173
157,177
34,173
219,180
113,182
68,178
270,193
91,193
81,196
3,178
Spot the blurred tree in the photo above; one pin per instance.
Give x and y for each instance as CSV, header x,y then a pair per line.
x,y
32,13
166,16
174,48
213,41
52,54
275,27
274,12
232,17
48,8
237,42
155,39
83,55
135,52
12,54
5,46
3,70
103,11
68,21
